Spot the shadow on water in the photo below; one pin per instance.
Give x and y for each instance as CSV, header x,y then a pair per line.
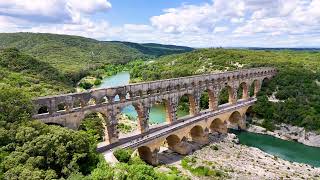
x,y
288,150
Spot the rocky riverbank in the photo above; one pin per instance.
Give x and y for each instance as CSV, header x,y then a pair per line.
x,y
290,133
236,161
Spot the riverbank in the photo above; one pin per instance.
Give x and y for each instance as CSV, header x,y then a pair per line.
x,y
289,133
238,161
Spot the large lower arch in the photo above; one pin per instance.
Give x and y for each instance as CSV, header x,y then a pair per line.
x,y
249,115
198,135
172,140
178,145
218,125
236,121
147,155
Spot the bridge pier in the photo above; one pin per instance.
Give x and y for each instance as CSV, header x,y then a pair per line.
x,y
111,134
171,110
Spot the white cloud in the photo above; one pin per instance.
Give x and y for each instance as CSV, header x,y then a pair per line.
x,y
51,11
220,29
217,23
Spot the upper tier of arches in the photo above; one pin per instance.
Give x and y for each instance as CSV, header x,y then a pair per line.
x,y
148,93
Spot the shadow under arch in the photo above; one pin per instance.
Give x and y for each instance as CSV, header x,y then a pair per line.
x,y
249,115
235,121
54,124
196,132
172,140
218,125
146,154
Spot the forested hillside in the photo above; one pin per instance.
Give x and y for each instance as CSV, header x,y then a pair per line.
x,y
296,85
37,78
74,56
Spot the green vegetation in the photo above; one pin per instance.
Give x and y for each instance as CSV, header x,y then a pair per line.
x,y
92,124
123,155
125,128
76,56
30,75
296,84
32,150
190,163
132,167
43,64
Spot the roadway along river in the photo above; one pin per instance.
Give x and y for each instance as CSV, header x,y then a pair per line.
x,y
288,150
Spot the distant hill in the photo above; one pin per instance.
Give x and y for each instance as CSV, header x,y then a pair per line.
x,y
74,55
157,50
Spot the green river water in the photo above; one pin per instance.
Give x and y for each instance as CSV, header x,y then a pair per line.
x,y
287,150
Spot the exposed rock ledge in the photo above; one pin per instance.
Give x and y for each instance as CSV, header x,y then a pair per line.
x,y
291,133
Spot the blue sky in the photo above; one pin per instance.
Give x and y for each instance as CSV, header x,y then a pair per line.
x,y
139,11
196,23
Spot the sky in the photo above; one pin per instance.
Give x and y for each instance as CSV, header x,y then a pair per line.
x,y
195,23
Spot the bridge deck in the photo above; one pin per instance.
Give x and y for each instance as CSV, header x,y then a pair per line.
x,y
136,139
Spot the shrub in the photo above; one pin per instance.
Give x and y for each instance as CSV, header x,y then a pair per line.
x,y
123,155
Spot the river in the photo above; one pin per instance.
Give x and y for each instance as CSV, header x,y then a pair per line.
x,y
288,150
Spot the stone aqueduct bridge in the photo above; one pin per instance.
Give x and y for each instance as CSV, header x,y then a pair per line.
x,y
69,109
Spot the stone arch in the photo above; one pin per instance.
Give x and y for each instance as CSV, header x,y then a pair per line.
x,y
62,107
142,113
148,155
196,131
172,140
226,95
236,121
265,81
254,88
188,101
249,114
243,91
43,110
92,102
197,134
77,103
208,99
109,124
218,125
